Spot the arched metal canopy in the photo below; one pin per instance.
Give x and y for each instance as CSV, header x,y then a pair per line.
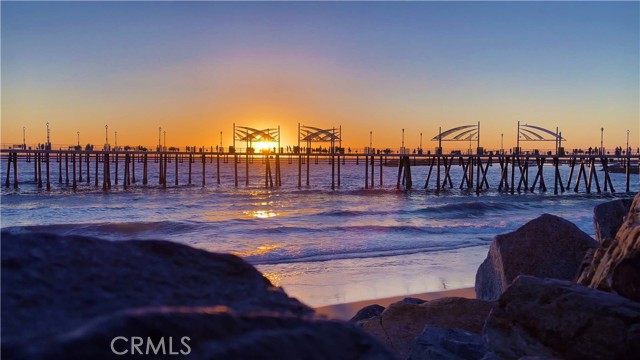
x,y
314,134
460,133
537,133
243,133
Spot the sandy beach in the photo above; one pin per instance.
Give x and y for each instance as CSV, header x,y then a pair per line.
x,y
347,310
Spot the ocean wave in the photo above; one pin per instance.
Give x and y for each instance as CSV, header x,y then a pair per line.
x,y
111,230
372,230
321,256
470,207
466,208
340,213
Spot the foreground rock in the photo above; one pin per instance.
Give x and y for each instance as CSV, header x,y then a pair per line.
x,y
617,267
402,322
554,318
608,217
75,290
209,333
547,247
366,313
442,343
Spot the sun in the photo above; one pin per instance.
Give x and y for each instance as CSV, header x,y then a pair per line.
x,y
263,146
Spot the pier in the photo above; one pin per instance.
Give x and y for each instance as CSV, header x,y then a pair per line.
x,y
517,173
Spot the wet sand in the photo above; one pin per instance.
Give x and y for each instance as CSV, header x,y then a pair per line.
x,y
347,310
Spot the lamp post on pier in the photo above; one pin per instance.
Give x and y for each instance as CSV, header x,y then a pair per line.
x,y
24,142
502,143
420,141
370,140
165,140
48,146
106,137
627,149
159,134
116,140
403,140
78,139
220,140
601,141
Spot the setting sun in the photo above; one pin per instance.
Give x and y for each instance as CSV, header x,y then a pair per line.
x,y
264,146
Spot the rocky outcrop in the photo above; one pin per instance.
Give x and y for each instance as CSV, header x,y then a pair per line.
x,y
207,333
412,300
547,247
367,313
436,343
554,318
608,217
402,322
63,293
617,267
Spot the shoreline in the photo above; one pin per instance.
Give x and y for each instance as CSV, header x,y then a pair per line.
x,y
346,311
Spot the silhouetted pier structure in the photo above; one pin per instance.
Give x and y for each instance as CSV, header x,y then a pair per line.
x,y
518,173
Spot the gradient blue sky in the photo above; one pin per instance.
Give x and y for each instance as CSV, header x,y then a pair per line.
x,y
195,68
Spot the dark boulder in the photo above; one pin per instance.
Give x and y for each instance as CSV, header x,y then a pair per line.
x,y
617,267
547,247
402,322
555,318
68,297
412,300
207,333
435,343
367,312
608,217
53,284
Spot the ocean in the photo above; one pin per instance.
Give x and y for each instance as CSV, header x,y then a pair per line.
x,y
322,246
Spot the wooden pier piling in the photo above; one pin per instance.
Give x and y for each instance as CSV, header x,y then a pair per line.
x,y
66,168
404,172
35,166
308,170
96,171
116,161
133,168
381,184
366,171
279,172
338,168
88,160
204,163
235,169
299,169
218,168
15,170
9,159
80,167
73,160
145,170
39,161
190,161
628,172
373,166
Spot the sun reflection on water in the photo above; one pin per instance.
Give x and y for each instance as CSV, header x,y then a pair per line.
x,y
274,278
278,277
260,250
261,214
